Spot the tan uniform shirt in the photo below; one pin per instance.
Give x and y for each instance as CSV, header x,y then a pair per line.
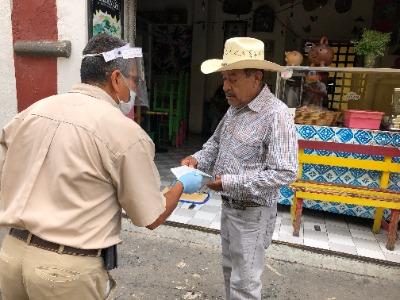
x,y
69,163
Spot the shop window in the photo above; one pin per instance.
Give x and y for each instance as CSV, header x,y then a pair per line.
x,y
340,84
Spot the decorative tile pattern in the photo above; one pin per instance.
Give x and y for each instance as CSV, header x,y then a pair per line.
x,y
383,138
345,175
325,133
306,132
344,135
363,137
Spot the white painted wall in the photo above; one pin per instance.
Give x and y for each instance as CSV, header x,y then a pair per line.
x,y
8,92
73,26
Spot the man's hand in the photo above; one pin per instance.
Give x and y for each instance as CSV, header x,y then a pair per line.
x,y
216,185
189,161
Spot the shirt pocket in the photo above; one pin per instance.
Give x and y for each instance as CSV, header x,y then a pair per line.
x,y
247,147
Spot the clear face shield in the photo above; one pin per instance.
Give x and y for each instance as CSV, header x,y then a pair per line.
x,y
142,97
132,69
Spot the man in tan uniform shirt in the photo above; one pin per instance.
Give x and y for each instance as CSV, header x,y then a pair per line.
x,y
68,164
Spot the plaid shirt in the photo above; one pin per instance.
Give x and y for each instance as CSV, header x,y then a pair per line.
x,y
254,148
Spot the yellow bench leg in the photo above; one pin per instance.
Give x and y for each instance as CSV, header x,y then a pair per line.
x,y
297,219
293,209
377,220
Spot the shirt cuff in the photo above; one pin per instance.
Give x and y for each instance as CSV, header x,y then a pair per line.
x,y
229,182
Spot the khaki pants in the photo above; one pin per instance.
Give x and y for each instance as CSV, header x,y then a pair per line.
x,y
245,234
28,272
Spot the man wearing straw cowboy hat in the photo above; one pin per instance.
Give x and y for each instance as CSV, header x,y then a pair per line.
x,y
253,152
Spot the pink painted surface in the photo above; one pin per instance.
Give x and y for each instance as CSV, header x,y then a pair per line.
x,y
362,119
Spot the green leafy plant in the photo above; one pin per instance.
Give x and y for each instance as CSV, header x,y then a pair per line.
x,y
372,42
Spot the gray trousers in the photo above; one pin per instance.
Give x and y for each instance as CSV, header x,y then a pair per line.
x,y
245,235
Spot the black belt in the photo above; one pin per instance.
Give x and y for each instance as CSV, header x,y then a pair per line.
x,y
33,240
238,204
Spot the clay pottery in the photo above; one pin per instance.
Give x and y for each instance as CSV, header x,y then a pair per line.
x,y
293,58
321,55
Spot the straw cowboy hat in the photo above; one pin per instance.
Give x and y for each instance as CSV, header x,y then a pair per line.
x,y
241,53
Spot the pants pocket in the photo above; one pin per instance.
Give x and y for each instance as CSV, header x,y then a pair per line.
x,y
66,282
55,274
270,226
111,288
11,282
250,215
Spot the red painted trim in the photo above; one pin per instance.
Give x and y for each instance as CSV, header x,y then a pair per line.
x,y
392,232
350,148
36,77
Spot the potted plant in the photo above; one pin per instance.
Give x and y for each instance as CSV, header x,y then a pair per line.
x,y
372,44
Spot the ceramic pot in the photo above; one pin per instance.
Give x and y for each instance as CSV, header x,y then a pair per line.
x,y
293,58
321,55
369,60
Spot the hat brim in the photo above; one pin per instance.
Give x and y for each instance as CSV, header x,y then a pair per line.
x,y
215,65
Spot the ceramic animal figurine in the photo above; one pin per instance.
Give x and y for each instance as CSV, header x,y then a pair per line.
x,y
293,58
321,55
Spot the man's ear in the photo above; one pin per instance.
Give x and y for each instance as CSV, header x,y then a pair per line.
x,y
115,80
259,76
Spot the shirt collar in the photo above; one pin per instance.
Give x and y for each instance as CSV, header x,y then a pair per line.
x,y
259,101
93,91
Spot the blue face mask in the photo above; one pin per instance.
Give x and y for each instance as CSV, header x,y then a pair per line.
x,y
126,107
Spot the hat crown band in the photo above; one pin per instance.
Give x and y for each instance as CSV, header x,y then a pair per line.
x,y
232,55
240,53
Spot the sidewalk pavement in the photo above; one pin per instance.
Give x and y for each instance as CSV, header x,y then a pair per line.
x,y
175,263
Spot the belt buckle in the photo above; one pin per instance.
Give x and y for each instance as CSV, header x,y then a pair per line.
x,y
231,203
240,206
236,205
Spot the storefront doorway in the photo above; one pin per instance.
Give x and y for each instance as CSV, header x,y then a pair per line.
x,y
177,35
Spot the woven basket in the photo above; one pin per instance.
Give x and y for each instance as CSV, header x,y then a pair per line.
x,y
316,117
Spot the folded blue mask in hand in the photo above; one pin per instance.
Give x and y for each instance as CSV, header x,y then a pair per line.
x,y
191,182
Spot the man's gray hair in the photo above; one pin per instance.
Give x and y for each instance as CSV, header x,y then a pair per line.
x,y
94,69
250,72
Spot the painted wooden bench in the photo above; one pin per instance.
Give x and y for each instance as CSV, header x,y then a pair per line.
x,y
381,198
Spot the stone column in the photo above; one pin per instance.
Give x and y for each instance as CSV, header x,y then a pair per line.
x,y
130,20
199,53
